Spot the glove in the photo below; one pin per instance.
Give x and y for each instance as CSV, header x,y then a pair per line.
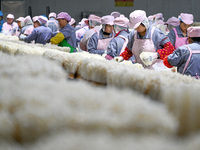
x,y
104,55
119,59
22,37
108,57
148,58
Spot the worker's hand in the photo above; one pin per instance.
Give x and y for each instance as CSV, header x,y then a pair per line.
x,y
119,59
174,69
22,37
104,55
148,58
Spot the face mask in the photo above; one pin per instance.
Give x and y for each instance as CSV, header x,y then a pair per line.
x,y
103,27
105,33
145,22
93,23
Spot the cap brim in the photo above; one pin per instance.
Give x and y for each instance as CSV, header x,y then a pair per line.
x,y
134,26
59,18
187,22
110,23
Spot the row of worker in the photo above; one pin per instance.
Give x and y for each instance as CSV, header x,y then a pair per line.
x,y
139,39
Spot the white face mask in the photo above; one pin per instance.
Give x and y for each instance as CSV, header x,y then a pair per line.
x,y
94,23
145,22
119,28
103,27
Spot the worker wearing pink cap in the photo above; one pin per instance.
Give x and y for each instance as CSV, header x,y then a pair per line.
x,y
158,18
160,24
66,36
19,20
172,22
118,44
94,23
151,19
72,22
99,41
35,18
178,36
146,40
40,34
81,31
91,22
27,26
10,27
81,24
186,58
52,23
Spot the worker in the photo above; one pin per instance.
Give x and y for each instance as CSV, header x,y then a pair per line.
x,y
151,19
178,36
118,44
147,39
187,57
66,36
160,24
80,32
40,34
35,18
10,27
172,23
158,19
19,20
27,26
1,20
81,24
52,23
94,23
72,22
99,41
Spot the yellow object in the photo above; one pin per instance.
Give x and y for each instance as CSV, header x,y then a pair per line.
x,y
124,3
57,39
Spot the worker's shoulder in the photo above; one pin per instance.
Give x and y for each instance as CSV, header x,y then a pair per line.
x,y
194,46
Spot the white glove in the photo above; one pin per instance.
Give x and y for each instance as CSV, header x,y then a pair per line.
x,y
148,58
104,55
22,37
119,59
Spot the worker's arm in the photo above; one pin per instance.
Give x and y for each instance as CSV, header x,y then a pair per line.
x,y
172,37
166,50
177,58
92,45
126,54
31,37
59,37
